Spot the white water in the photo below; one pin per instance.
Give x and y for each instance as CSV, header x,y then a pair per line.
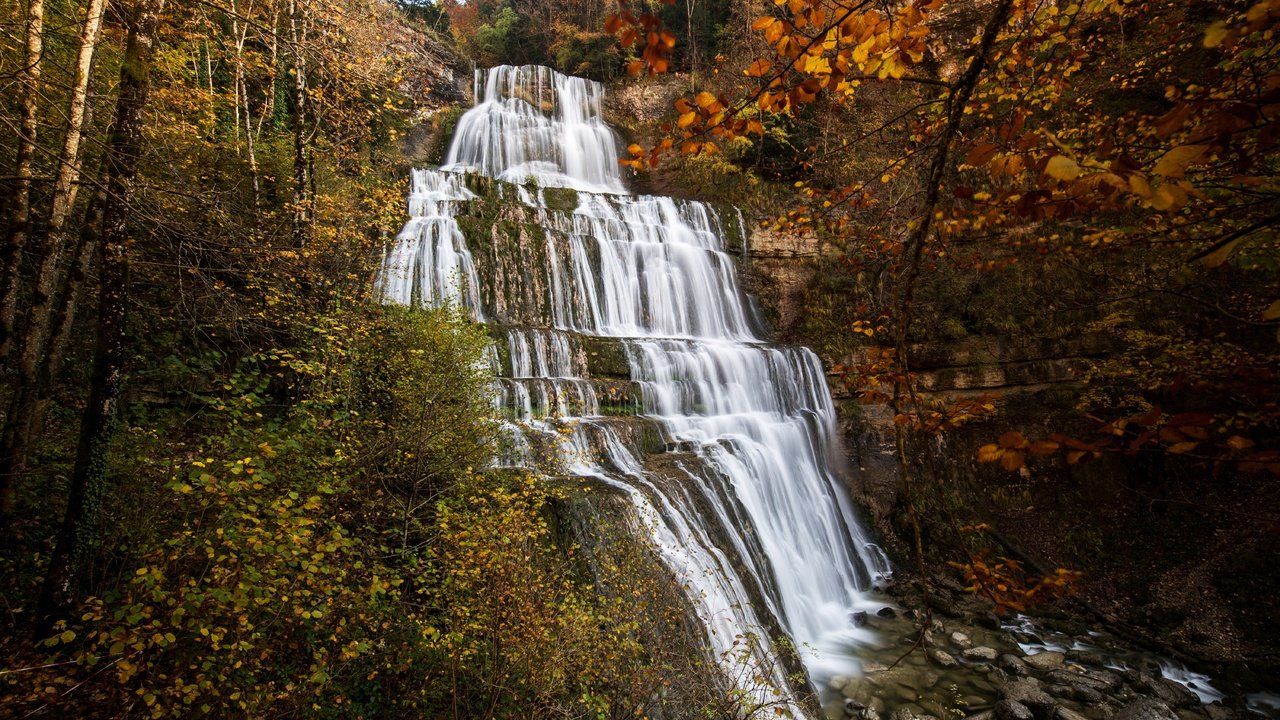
x,y
749,512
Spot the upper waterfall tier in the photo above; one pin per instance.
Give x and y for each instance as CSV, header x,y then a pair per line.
x,y
533,122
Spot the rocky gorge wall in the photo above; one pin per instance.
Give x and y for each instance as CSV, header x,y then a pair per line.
x,y
1175,561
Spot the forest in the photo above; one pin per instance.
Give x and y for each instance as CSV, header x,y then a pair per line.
x,y
1032,244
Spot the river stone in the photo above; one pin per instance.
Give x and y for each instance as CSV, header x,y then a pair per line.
x,y
942,659
1013,665
1087,695
1082,678
1171,693
1062,692
960,640
837,682
1062,713
1013,710
1145,709
1084,657
1219,712
860,618
886,612
981,653
1045,661
984,715
874,667
1027,692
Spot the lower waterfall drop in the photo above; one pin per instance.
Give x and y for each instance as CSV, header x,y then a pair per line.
x,y
747,509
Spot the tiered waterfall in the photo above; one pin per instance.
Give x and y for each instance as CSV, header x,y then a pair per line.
x,y
742,496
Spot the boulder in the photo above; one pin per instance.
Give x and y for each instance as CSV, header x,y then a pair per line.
x,y
1171,693
1027,692
1013,665
980,654
1045,661
1097,680
942,659
1219,712
1145,709
1013,710
1067,714
859,619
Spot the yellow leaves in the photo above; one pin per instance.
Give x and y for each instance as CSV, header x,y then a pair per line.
x,y
1216,34
1272,312
816,65
1220,254
1174,162
1061,167
707,102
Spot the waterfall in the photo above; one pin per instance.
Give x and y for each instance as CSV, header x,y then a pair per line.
x,y
746,506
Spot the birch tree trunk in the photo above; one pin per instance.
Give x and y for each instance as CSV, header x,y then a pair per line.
x,y
23,418
20,210
88,483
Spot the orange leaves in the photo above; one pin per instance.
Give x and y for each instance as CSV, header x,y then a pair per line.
x,y
1012,449
981,154
643,30
1005,582
759,68
640,159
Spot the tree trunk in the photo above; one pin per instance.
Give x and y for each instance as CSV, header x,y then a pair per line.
x,y
20,210
301,186
89,477
22,418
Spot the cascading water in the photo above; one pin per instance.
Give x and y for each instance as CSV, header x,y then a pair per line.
x,y
747,510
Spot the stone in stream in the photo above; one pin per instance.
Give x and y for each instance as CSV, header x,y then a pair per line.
x,y
960,640
1087,695
1013,665
859,618
943,659
1013,710
981,654
1027,692
837,682
1171,693
1098,680
1067,714
1045,661
886,612
1145,709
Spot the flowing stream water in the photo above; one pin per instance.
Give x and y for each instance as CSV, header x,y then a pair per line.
x,y
747,507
